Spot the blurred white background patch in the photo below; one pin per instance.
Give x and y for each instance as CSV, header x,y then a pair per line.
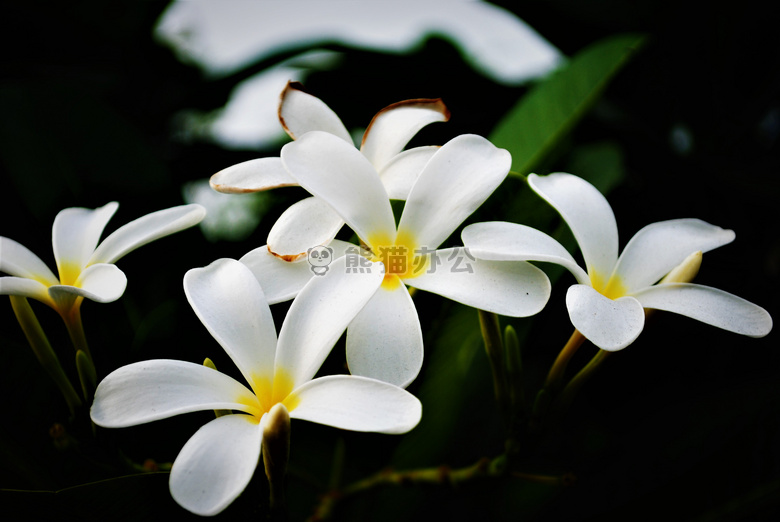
x,y
224,37
230,217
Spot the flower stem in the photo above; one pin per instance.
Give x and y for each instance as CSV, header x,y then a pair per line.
x,y
484,468
559,366
75,327
43,350
567,479
567,395
494,346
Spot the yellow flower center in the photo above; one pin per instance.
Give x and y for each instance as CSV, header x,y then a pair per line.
x,y
69,273
268,392
613,288
403,258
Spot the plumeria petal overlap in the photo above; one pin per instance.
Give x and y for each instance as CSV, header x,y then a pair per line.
x,y
216,464
385,340
607,303
310,222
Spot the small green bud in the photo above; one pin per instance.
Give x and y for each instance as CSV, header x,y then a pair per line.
x,y
514,368
208,363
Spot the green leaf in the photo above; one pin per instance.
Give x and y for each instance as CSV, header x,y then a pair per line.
x,y
600,163
543,118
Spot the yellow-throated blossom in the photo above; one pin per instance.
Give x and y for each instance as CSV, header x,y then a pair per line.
x,y
311,222
607,305
384,341
218,461
86,269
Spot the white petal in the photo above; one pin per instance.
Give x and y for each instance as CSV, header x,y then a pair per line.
x,y
659,247
216,464
454,183
513,288
357,403
101,283
337,173
300,112
151,390
399,174
16,259
252,176
24,287
609,324
708,305
75,235
282,280
393,127
384,341
228,300
145,230
502,241
307,223
319,315
588,215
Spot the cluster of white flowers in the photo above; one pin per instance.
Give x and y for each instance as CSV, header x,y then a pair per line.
x,y
363,288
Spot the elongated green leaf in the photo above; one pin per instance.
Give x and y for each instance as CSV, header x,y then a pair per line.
x,y
543,117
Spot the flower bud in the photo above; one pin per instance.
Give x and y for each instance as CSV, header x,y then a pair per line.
x,y
685,271
276,451
208,363
514,368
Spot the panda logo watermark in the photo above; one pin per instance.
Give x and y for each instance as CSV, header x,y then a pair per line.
x,y
319,259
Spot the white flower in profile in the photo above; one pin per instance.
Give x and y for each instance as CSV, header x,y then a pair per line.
x,y
607,303
217,463
86,269
311,222
384,341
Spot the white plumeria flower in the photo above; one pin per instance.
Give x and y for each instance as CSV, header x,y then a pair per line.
x,y
282,280
607,305
217,463
384,341
86,269
311,222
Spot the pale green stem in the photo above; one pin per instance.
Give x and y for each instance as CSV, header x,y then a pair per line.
x,y
494,346
567,479
559,366
43,350
72,320
567,395
87,375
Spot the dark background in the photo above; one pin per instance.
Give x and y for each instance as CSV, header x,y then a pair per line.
x,y
683,425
